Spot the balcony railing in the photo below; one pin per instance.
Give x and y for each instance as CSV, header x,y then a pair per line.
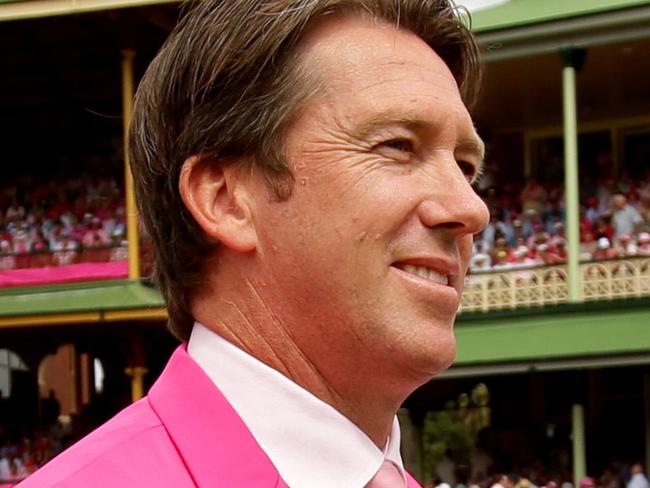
x,y
548,285
61,266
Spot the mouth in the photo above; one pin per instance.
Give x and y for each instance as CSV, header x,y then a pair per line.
x,y
436,281
424,272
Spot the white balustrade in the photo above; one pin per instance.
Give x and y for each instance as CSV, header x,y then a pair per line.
x,y
547,285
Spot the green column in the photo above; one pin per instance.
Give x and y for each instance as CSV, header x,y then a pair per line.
x,y
646,405
579,450
573,59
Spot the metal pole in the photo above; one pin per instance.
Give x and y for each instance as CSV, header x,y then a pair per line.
x,y
579,450
571,193
133,236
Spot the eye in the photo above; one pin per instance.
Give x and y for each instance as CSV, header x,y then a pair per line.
x,y
403,145
469,170
400,149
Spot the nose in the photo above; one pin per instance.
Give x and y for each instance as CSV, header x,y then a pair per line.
x,y
452,204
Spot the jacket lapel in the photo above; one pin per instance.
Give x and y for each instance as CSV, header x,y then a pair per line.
x,y
215,445
411,481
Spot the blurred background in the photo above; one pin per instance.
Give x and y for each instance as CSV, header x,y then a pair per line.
x,y
551,385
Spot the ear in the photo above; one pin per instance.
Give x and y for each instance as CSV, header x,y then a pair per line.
x,y
218,197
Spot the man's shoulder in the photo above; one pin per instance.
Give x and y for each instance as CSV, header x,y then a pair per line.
x,y
131,449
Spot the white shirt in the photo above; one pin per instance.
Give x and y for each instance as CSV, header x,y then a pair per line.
x,y
309,442
638,481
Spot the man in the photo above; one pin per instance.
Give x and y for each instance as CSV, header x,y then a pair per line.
x,y
638,479
625,218
304,169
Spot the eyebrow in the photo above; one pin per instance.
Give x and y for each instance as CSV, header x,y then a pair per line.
x,y
383,120
473,144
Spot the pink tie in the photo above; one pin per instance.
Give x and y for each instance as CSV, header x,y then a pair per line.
x,y
388,476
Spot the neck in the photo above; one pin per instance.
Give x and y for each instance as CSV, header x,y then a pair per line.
x,y
250,323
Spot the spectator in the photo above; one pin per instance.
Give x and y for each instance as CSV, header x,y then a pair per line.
x,y
65,250
625,218
603,229
119,249
7,259
533,197
644,244
39,244
480,260
604,193
626,246
15,211
592,213
21,240
638,479
556,253
558,234
604,250
446,469
94,236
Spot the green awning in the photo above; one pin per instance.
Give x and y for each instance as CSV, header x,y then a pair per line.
x,y
96,296
519,13
551,336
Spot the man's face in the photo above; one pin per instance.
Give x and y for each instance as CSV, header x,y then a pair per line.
x,y
364,264
619,202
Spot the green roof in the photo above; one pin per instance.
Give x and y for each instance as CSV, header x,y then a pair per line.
x,y
596,331
519,13
96,296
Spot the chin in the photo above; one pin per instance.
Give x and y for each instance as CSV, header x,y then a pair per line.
x,y
428,362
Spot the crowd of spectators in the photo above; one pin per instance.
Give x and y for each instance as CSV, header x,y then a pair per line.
x,y
66,220
61,220
527,225
481,473
615,475
19,459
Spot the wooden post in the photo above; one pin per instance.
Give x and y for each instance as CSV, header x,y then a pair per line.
x,y
137,370
133,235
73,358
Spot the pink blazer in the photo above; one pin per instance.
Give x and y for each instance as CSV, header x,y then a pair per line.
x,y
183,434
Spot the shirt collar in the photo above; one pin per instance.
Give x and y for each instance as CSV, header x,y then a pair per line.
x,y
309,442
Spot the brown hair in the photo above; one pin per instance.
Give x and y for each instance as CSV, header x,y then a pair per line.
x,y
225,85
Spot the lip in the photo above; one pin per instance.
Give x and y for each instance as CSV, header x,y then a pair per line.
x,y
446,298
442,265
446,267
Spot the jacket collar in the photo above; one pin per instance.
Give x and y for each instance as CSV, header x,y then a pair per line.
x,y
212,440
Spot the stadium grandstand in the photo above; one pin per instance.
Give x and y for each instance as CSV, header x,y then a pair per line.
x,y
552,378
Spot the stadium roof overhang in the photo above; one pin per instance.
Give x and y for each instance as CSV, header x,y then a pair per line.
x,y
524,28
80,303
23,9
588,335
522,41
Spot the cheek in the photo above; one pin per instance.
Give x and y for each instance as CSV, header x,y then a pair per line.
x,y
465,251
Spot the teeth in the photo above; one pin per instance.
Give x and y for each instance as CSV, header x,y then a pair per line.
x,y
426,273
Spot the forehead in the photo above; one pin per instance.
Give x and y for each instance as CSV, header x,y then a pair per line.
x,y
373,66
